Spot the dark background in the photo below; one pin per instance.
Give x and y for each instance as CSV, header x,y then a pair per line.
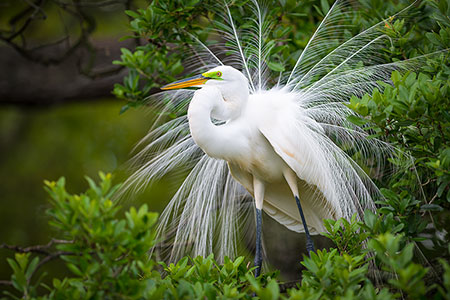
x,y
57,114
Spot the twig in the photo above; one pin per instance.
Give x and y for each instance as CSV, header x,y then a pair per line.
x,y
42,249
6,282
37,9
92,4
22,21
48,258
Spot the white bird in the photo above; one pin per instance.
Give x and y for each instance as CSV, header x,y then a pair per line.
x,y
266,145
285,144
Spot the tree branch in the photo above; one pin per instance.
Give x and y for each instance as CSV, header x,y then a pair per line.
x,y
6,282
41,249
85,69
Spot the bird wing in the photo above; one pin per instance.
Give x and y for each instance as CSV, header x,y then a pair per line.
x,y
294,138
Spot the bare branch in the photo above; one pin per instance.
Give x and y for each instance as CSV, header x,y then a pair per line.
x,y
92,4
41,249
28,21
49,258
85,69
6,282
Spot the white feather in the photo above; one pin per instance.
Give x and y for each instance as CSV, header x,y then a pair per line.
x,y
298,126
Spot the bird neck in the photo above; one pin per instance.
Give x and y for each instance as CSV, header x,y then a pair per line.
x,y
208,103
230,102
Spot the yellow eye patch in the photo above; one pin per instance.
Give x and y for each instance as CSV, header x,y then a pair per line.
x,y
213,75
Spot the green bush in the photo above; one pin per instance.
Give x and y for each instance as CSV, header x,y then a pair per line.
x,y
413,115
106,257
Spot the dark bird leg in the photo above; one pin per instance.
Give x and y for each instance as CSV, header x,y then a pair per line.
x,y
309,241
258,254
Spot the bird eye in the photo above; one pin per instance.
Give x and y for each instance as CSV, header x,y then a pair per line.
x,y
219,73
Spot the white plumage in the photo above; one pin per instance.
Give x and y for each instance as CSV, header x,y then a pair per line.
x,y
266,139
272,141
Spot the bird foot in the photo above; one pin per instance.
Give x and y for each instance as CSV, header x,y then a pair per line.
x,y
310,246
258,265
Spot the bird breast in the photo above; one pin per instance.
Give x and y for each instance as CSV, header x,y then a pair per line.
x,y
239,141
255,155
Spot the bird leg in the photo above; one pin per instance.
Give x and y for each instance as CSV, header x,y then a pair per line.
x,y
258,188
309,241
291,179
258,254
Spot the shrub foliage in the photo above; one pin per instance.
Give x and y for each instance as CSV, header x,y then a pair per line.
x,y
106,257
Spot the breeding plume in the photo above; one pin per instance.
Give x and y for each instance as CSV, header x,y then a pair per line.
x,y
253,141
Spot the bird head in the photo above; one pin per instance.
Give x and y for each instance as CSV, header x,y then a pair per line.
x,y
222,77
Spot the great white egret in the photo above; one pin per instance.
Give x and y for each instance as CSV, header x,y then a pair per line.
x,y
288,143
263,143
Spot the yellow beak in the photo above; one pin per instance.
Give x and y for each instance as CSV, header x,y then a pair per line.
x,y
191,81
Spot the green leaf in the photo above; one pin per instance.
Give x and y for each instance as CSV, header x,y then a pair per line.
x,y
431,207
32,267
276,66
396,77
74,269
433,38
238,261
13,265
325,6
356,120
132,14
388,193
22,259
